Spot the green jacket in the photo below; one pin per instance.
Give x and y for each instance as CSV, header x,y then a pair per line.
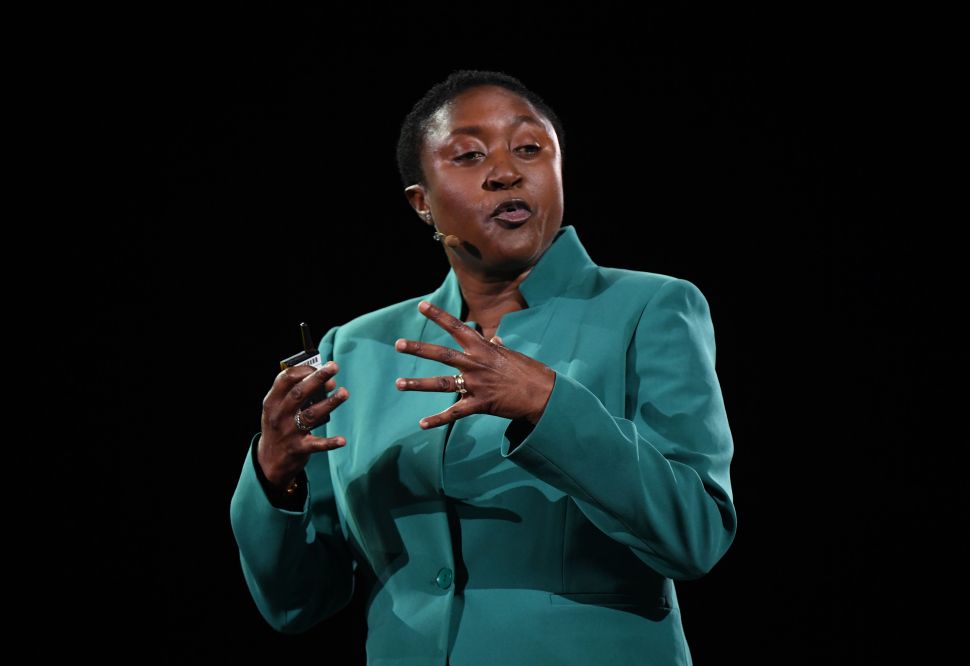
x,y
561,548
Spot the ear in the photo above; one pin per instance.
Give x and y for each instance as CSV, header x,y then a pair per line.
x,y
417,197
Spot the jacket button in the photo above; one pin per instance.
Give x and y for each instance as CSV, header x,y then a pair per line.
x,y
444,578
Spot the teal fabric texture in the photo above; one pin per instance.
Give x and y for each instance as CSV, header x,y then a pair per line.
x,y
474,545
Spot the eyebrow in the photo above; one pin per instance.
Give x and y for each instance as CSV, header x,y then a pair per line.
x,y
476,130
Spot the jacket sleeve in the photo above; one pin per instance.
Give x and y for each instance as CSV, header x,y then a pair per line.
x,y
297,564
657,482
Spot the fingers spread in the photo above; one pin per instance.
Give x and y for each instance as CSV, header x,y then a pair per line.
x,y
319,413
445,355
317,444
459,330
312,383
460,409
285,381
442,383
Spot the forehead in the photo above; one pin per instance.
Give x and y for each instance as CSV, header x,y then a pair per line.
x,y
480,110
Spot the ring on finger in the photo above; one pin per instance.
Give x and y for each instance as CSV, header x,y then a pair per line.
x,y
460,384
302,427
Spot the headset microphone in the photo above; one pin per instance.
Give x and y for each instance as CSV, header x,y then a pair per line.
x,y
450,240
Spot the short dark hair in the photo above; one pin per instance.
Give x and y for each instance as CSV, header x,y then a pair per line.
x,y
415,125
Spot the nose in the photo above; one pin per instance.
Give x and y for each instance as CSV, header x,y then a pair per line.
x,y
503,174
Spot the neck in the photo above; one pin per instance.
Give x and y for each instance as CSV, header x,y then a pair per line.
x,y
488,298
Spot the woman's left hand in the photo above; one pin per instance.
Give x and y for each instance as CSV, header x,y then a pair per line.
x,y
499,381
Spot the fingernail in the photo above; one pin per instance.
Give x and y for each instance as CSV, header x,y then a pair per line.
x,y
423,423
401,383
423,306
401,344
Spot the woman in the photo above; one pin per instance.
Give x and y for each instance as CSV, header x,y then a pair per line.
x,y
518,464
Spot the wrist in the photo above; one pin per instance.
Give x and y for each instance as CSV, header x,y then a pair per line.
x,y
278,482
285,485
288,493
545,393
284,491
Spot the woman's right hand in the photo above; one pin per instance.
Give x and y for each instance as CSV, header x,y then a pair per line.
x,y
283,450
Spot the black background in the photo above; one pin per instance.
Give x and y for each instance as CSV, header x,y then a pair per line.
x,y
238,176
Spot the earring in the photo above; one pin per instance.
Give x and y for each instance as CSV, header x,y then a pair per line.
x,y
438,236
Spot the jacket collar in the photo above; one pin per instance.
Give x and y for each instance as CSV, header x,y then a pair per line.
x,y
562,264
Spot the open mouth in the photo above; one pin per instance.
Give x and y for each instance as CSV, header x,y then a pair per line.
x,y
512,213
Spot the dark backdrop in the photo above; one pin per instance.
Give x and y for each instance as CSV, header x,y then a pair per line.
x,y
238,175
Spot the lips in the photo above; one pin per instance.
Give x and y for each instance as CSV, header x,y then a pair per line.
x,y
512,210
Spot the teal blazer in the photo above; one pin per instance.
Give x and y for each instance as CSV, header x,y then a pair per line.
x,y
476,546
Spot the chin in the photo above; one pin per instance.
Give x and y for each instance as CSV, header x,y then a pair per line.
x,y
506,250
511,261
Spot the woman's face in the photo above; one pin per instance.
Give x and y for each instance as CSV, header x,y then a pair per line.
x,y
486,147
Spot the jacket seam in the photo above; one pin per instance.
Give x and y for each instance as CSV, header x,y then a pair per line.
x,y
633,339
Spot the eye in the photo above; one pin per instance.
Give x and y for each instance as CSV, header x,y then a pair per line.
x,y
530,150
465,156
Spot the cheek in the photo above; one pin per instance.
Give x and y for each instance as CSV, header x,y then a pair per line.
x,y
551,188
455,196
